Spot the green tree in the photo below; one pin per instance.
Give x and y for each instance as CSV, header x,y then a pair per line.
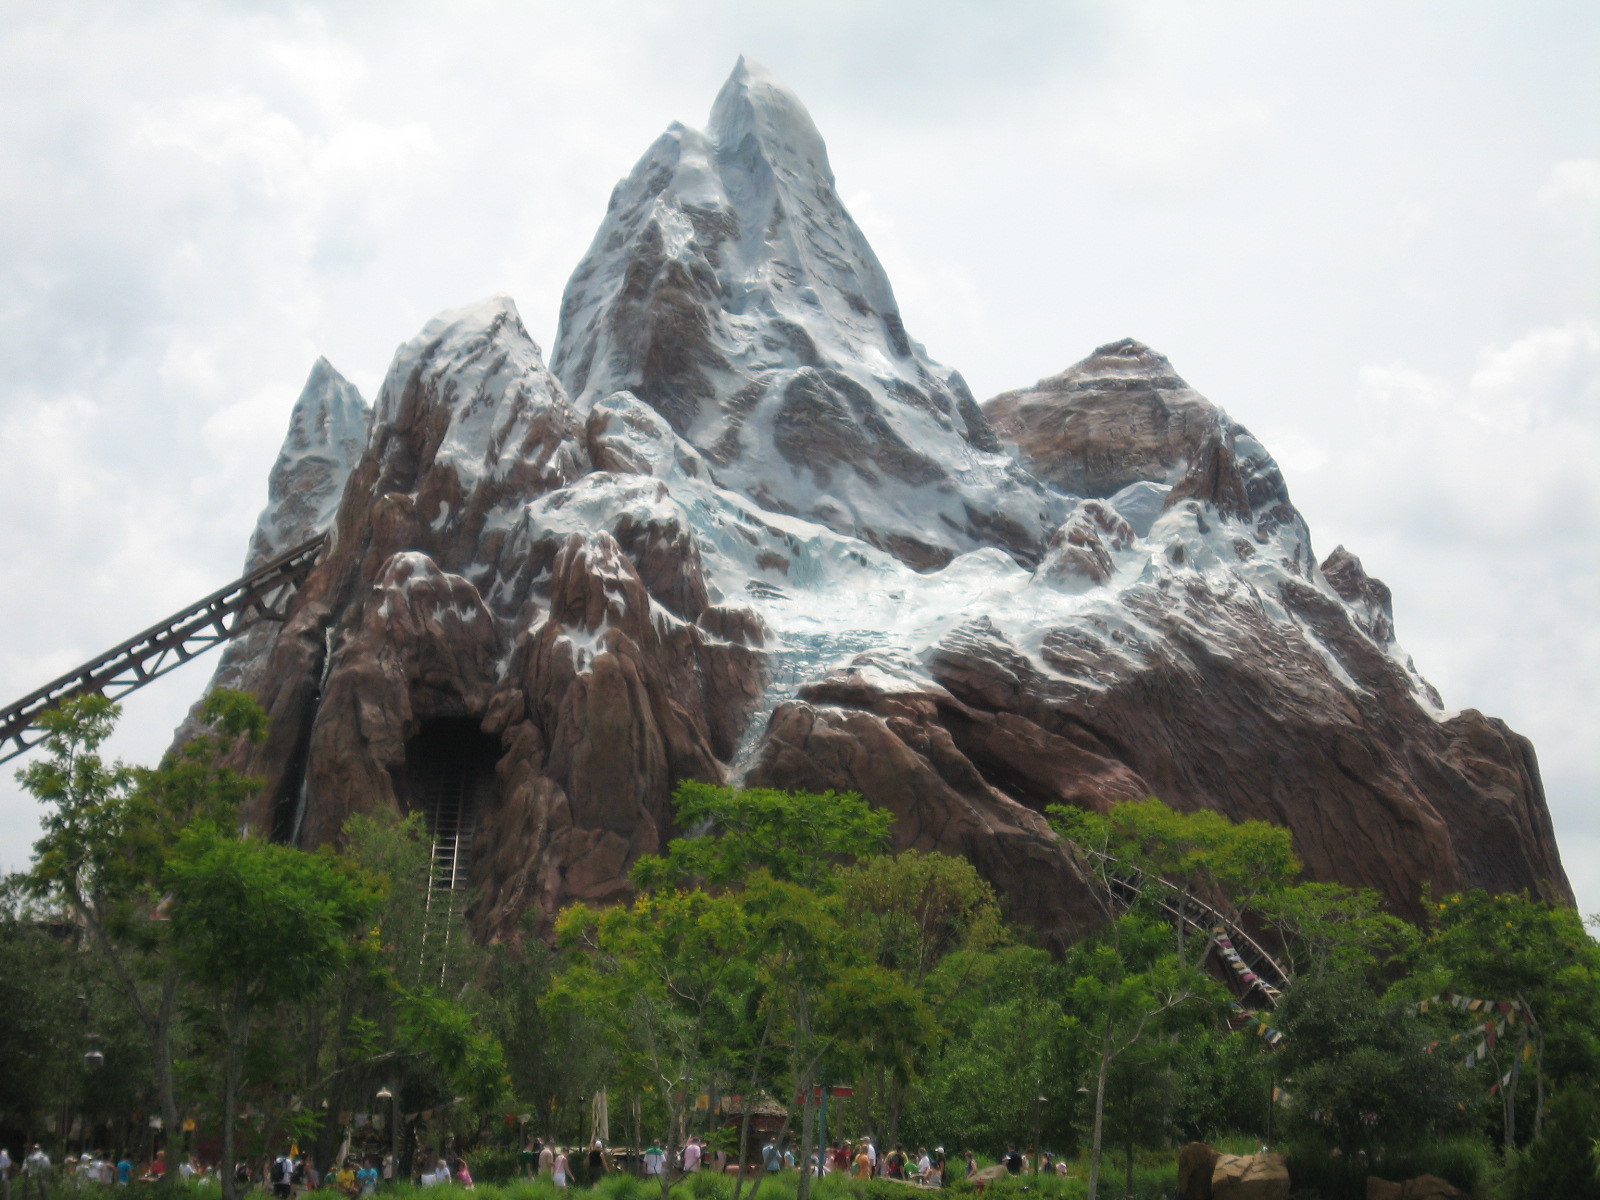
x,y
1126,985
797,837
650,973
1538,955
1125,988
108,831
1000,1048
909,912
1358,1069
256,925
1330,927
1229,864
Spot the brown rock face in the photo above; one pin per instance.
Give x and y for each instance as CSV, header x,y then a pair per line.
x,y
1214,665
771,501
921,753
449,635
1120,416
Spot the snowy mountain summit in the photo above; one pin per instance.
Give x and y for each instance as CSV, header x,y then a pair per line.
x,y
729,289
743,529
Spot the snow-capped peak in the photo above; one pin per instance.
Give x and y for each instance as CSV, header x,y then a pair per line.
x,y
327,432
755,114
729,289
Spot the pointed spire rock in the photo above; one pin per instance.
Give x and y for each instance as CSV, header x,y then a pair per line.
x,y
729,289
327,432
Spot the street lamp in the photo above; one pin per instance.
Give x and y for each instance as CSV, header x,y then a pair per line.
x,y
385,1093
1038,1108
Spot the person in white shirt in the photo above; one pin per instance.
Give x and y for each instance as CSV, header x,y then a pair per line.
x,y
5,1174
691,1156
36,1173
655,1158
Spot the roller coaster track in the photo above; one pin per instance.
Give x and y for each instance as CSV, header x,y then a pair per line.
x,y
1194,915
261,595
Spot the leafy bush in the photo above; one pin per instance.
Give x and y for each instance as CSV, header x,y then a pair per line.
x,y
621,1186
1316,1167
493,1166
1561,1161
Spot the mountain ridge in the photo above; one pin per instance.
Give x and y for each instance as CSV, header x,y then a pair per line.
x,y
690,548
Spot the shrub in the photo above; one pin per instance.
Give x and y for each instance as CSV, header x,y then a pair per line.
x,y
1316,1167
1561,1160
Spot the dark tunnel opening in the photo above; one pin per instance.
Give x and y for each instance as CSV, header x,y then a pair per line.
x,y
450,780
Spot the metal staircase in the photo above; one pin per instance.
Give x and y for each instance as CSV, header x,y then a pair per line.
x,y
452,786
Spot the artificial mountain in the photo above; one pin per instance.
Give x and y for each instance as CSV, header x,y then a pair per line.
x,y
744,529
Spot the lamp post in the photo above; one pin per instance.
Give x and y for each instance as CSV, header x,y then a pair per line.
x,y
1038,1110
394,1131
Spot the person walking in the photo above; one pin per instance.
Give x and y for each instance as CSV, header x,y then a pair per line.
x,y
547,1160
692,1154
36,1174
562,1169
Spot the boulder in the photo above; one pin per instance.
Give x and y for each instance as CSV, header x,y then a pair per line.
x,y
1195,1164
1250,1177
988,1175
1423,1187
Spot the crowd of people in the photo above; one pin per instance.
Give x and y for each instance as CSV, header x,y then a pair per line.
x,y
35,1172
287,1174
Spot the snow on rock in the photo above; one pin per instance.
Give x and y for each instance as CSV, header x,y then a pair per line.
x,y
327,432
730,291
746,530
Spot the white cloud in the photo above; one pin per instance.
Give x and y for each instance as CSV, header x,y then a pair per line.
x,y
1478,500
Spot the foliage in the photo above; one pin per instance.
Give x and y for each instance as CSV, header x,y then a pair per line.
x,y
912,909
774,947
797,837
1357,1069
1329,927
1509,947
1318,1169
257,925
1564,1160
1231,863
1128,990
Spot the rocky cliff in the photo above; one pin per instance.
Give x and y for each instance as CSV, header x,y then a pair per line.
x,y
745,529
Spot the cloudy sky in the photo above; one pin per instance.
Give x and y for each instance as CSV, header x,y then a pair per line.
x,y
1371,231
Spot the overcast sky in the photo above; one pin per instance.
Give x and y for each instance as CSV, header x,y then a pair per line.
x,y
1371,232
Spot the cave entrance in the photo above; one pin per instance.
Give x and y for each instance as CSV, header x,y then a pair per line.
x,y
450,779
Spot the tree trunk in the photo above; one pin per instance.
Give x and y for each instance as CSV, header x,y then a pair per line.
x,y
749,1097
1099,1112
808,1131
161,1038
232,1068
